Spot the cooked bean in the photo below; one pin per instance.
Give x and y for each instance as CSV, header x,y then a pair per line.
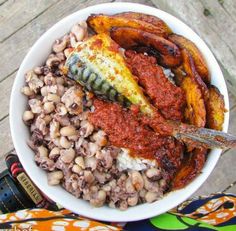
x,y
54,129
88,176
137,180
53,61
132,201
38,70
55,177
54,98
47,119
48,107
60,89
49,79
64,142
151,186
68,51
90,162
35,105
44,91
68,131
60,80
129,186
79,160
153,174
28,115
162,183
61,109
151,196
27,91
59,45
67,155
79,32
43,151
54,153
123,205
76,168
93,148
100,138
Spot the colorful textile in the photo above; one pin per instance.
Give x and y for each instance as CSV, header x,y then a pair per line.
x,y
215,212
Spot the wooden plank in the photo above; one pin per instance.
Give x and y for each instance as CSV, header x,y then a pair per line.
x,y
224,173
5,137
16,14
230,7
221,177
15,48
192,13
219,20
5,92
231,189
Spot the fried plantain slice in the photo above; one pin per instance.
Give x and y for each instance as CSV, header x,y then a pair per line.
x,y
190,168
215,107
199,61
103,23
146,18
166,52
195,112
190,70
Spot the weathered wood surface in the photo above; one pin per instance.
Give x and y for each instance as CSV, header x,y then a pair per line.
x,y
214,21
21,25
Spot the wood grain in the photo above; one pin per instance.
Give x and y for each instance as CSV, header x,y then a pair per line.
x,y
22,28
218,37
16,14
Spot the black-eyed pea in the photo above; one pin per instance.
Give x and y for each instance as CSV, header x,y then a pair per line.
x,y
53,98
100,138
54,153
76,168
129,186
162,183
61,56
106,188
101,195
68,131
67,51
49,79
60,89
60,80
52,61
133,200
27,116
44,91
137,180
27,91
38,70
47,119
55,177
59,45
153,174
79,31
88,176
123,205
65,143
142,193
61,109
67,155
80,161
151,196
43,151
48,107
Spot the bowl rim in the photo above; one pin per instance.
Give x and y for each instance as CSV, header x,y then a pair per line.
x,y
99,213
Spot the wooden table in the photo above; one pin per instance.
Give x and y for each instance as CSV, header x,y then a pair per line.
x,y
23,21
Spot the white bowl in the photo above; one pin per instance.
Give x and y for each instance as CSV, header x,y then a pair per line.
x,y
20,133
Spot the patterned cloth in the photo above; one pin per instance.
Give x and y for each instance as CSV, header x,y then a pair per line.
x,y
216,212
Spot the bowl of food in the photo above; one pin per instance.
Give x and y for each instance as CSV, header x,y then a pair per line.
x,y
109,111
